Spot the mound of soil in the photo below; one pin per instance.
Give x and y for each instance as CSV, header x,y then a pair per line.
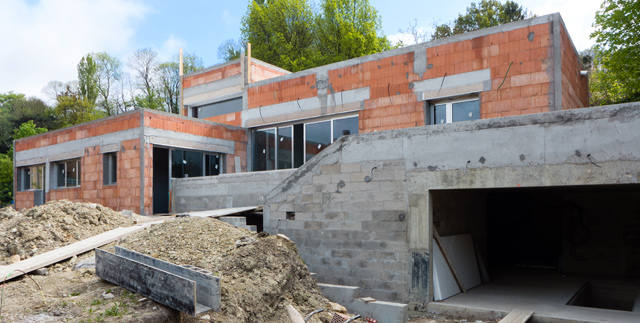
x,y
52,225
259,274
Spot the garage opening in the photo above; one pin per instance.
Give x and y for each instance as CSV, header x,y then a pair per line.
x,y
565,251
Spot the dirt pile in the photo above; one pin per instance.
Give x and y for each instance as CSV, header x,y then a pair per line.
x,y
260,274
52,225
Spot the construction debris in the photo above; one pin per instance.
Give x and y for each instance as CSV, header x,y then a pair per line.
x,y
259,276
55,224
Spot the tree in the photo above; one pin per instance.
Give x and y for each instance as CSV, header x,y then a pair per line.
x,y
487,13
616,78
418,35
281,32
6,179
15,109
144,63
88,78
109,72
72,108
169,78
230,49
349,29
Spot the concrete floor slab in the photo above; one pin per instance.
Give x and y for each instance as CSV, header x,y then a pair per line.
x,y
545,293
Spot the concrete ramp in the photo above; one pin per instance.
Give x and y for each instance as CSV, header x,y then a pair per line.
x,y
223,212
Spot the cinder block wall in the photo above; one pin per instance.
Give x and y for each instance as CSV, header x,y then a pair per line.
x,y
377,234
224,191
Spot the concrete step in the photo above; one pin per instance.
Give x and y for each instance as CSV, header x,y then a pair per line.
x,y
236,221
348,296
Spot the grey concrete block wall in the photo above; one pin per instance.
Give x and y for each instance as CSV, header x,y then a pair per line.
x,y
376,234
224,191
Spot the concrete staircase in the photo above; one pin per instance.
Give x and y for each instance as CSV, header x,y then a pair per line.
x,y
349,297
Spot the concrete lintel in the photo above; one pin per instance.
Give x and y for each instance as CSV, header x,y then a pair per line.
x,y
217,99
109,148
184,140
212,95
451,92
224,83
480,77
41,160
69,149
305,108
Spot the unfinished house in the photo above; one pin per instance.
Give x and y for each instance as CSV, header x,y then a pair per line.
x,y
457,175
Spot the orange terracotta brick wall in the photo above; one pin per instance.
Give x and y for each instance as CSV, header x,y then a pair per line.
x,y
520,68
205,129
282,91
575,88
261,72
232,119
92,129
125,194
210,76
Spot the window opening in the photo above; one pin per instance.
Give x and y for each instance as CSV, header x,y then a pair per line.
x,y
68,173
110,168
455,111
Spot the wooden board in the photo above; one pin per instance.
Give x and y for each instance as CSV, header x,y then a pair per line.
x,y
69,251
161,286
222,212
517,316
207,285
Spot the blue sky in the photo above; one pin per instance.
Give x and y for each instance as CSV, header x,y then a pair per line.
x,y
43,40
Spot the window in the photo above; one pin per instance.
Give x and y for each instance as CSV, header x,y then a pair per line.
x,y
186,163
110,168
31,178
290,146
217,108
454,111
67,173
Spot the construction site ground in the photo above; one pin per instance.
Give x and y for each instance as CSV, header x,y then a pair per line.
x,y
260,273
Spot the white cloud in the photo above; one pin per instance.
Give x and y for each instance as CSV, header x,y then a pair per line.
x,y
45,41
170,48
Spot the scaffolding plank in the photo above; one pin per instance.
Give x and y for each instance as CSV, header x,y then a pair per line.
x,y
163,287
517,316
207,285
222,212
57,255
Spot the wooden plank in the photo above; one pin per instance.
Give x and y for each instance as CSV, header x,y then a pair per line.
x,y
447,258
517,316
207,285
161,286
222,212
69,251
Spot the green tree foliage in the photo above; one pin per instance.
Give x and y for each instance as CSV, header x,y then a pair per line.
x,y
486,13
615,77
88,78
108,74
169,79
6,179
281,32
292,35
15,109
72,108
230,49
349,29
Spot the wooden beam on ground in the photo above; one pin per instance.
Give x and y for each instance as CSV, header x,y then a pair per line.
x,y
57,255
517,316
449,261
222,212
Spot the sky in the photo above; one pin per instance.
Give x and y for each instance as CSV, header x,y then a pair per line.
x,y
43,40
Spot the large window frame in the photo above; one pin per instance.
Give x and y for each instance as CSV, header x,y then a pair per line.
x,y
62,178
276,130
27,181
207,164
449,105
